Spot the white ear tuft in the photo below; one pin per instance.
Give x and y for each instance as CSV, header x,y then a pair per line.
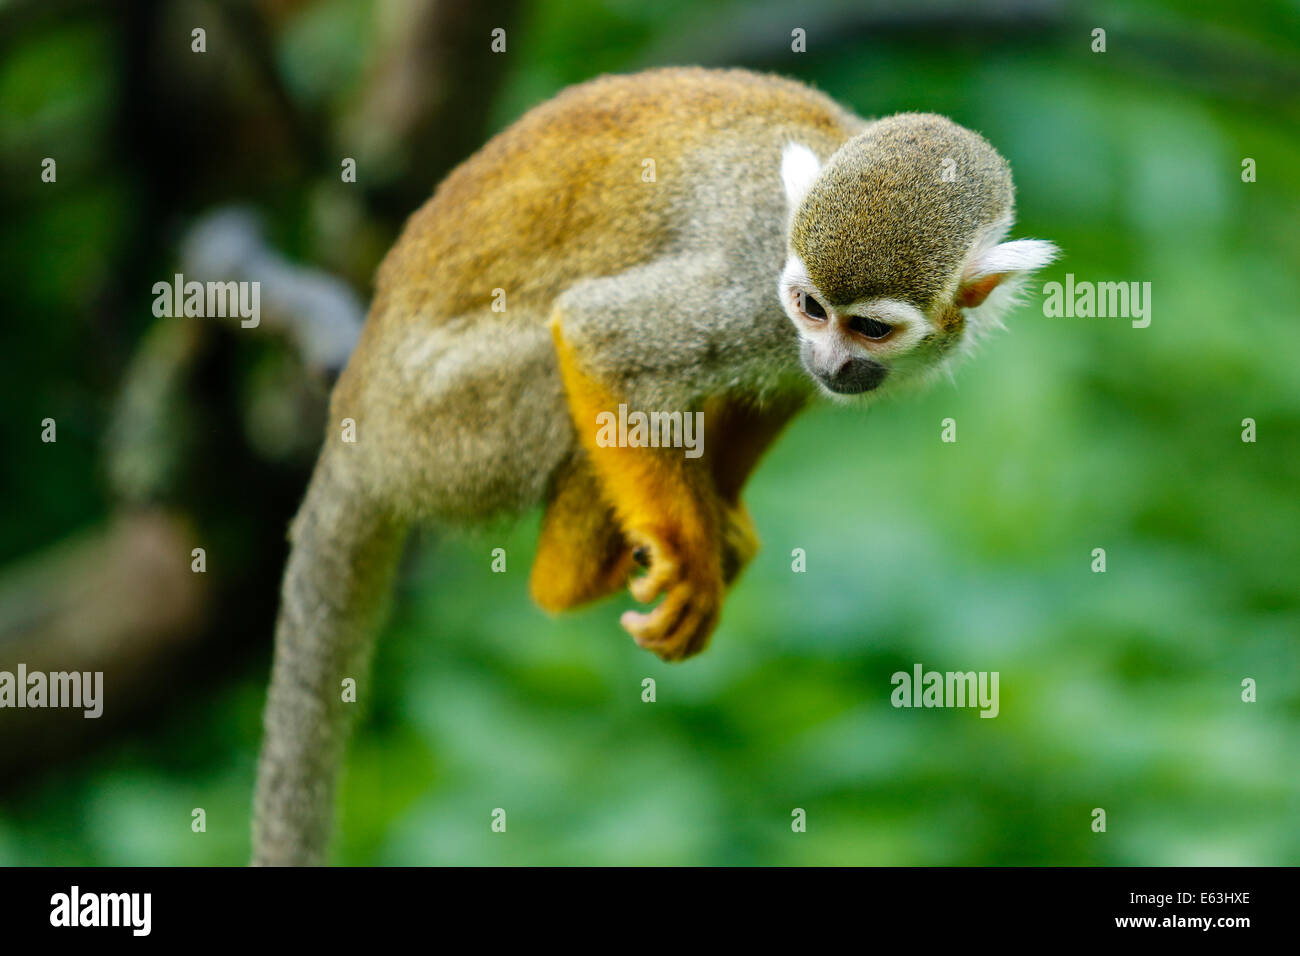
x,y
799,168
1006,261
1019,255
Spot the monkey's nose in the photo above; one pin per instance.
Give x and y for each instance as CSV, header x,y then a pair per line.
x,y
857,375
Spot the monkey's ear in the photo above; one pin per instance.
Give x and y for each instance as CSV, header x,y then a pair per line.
x,y
799,168
988,269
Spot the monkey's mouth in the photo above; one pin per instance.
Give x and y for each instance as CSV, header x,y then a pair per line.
x,y
855,377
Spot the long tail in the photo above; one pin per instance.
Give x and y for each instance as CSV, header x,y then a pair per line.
x,y
335,593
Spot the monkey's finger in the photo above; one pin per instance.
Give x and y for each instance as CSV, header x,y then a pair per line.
x,y
651,629
663,572
691,635
660,649
646,588
696,630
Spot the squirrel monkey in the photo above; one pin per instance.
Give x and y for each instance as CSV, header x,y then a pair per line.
x,y
680,240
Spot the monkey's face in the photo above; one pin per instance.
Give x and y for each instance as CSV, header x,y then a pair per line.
x,y
858,347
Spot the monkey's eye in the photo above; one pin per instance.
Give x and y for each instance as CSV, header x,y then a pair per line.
x,y
811,307
870,327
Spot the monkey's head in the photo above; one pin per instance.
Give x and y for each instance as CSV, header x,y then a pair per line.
x,y
895,250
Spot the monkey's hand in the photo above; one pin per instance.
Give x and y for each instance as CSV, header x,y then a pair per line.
x,y
688,572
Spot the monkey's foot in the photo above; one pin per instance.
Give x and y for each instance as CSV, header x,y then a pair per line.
x,y
691,585
562,579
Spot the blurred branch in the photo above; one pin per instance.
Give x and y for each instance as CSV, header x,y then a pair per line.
x,y
122,601
1201,56
255,24
320,314
424,107
758,35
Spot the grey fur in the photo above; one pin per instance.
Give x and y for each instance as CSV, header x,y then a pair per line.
x,y
335,590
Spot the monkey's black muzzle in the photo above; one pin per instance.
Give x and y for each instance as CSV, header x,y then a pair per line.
x,y
855,376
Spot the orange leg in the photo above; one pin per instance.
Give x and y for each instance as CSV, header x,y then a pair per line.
x,y
666,504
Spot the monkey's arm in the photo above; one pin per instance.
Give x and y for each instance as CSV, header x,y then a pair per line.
x,y
615,344
665,503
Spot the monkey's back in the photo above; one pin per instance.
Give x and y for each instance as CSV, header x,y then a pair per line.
x,y
562,194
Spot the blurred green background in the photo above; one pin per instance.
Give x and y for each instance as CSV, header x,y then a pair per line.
x,y
1119,690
